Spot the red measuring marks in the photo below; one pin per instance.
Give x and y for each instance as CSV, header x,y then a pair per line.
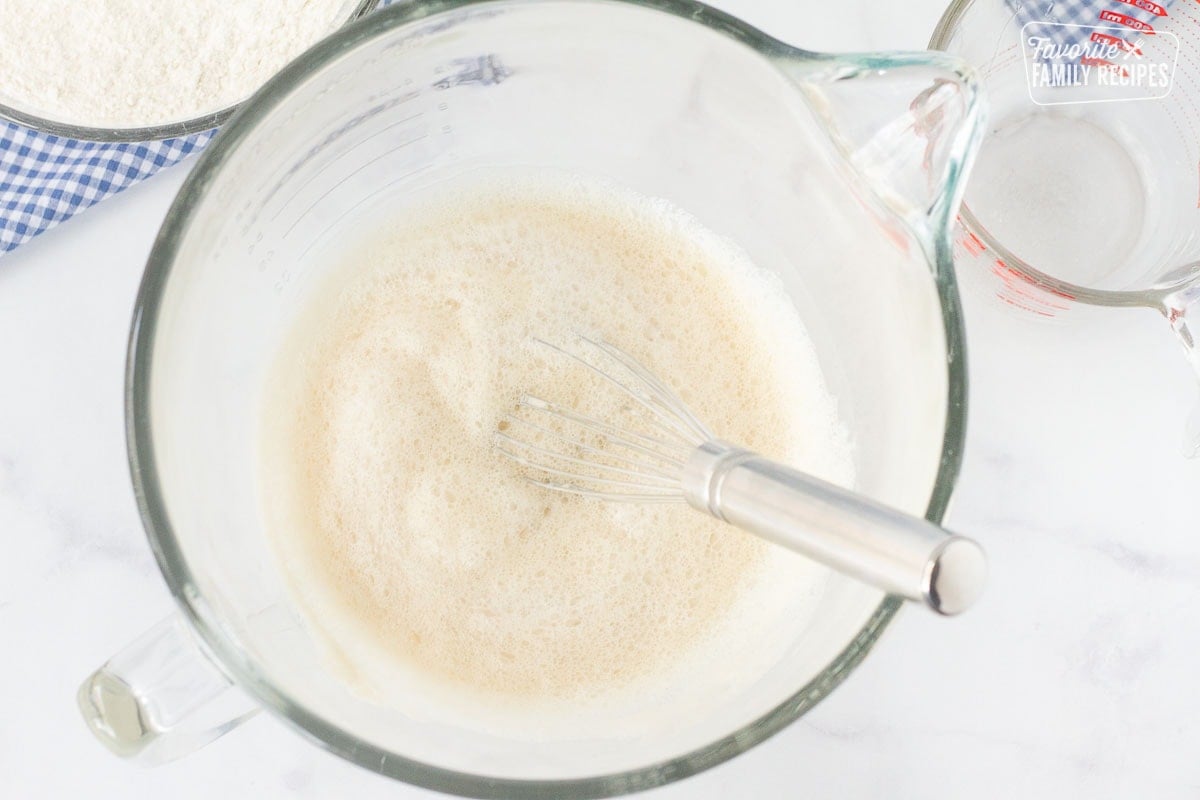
x,y
1117,41
1015,288
1127,21
1146,5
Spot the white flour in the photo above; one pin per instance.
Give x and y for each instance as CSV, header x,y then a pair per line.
x,y
132,63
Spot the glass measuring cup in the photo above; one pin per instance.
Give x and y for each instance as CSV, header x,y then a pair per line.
x,y
840,173
1087,187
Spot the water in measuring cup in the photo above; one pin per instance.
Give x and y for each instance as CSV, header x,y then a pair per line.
x,y
1062,191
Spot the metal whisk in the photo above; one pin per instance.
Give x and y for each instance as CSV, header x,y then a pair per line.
x,y
675,458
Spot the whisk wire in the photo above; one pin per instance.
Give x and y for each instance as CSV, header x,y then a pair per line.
x,y
625,438
503,444
666,421
663,393
644,476
632,497
572,452
587,448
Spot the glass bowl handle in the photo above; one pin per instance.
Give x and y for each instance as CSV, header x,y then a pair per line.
x,y
161,697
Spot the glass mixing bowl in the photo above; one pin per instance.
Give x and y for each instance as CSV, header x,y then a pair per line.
x,y
148,133
841,174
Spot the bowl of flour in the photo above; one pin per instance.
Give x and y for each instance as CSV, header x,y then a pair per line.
x,y
139,70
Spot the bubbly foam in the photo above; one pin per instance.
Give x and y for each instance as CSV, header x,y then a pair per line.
x,y
422,555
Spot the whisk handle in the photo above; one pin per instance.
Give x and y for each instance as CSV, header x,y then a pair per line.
x,y
899,553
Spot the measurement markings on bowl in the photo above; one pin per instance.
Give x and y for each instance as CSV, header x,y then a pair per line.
x,y
373,195
328,140
346,178
321,170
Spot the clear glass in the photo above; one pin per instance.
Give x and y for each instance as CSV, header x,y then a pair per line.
x,y
30,118
668,98
1086,192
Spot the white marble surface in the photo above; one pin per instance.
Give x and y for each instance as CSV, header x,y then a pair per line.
x,y
1075,677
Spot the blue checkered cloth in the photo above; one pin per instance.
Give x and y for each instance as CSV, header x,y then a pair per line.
x,y
45,179
1123,15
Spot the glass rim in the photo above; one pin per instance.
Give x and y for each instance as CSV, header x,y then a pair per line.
x,y
243,670
112,134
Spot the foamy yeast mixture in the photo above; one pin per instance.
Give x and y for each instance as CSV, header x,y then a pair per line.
x,y
413,545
